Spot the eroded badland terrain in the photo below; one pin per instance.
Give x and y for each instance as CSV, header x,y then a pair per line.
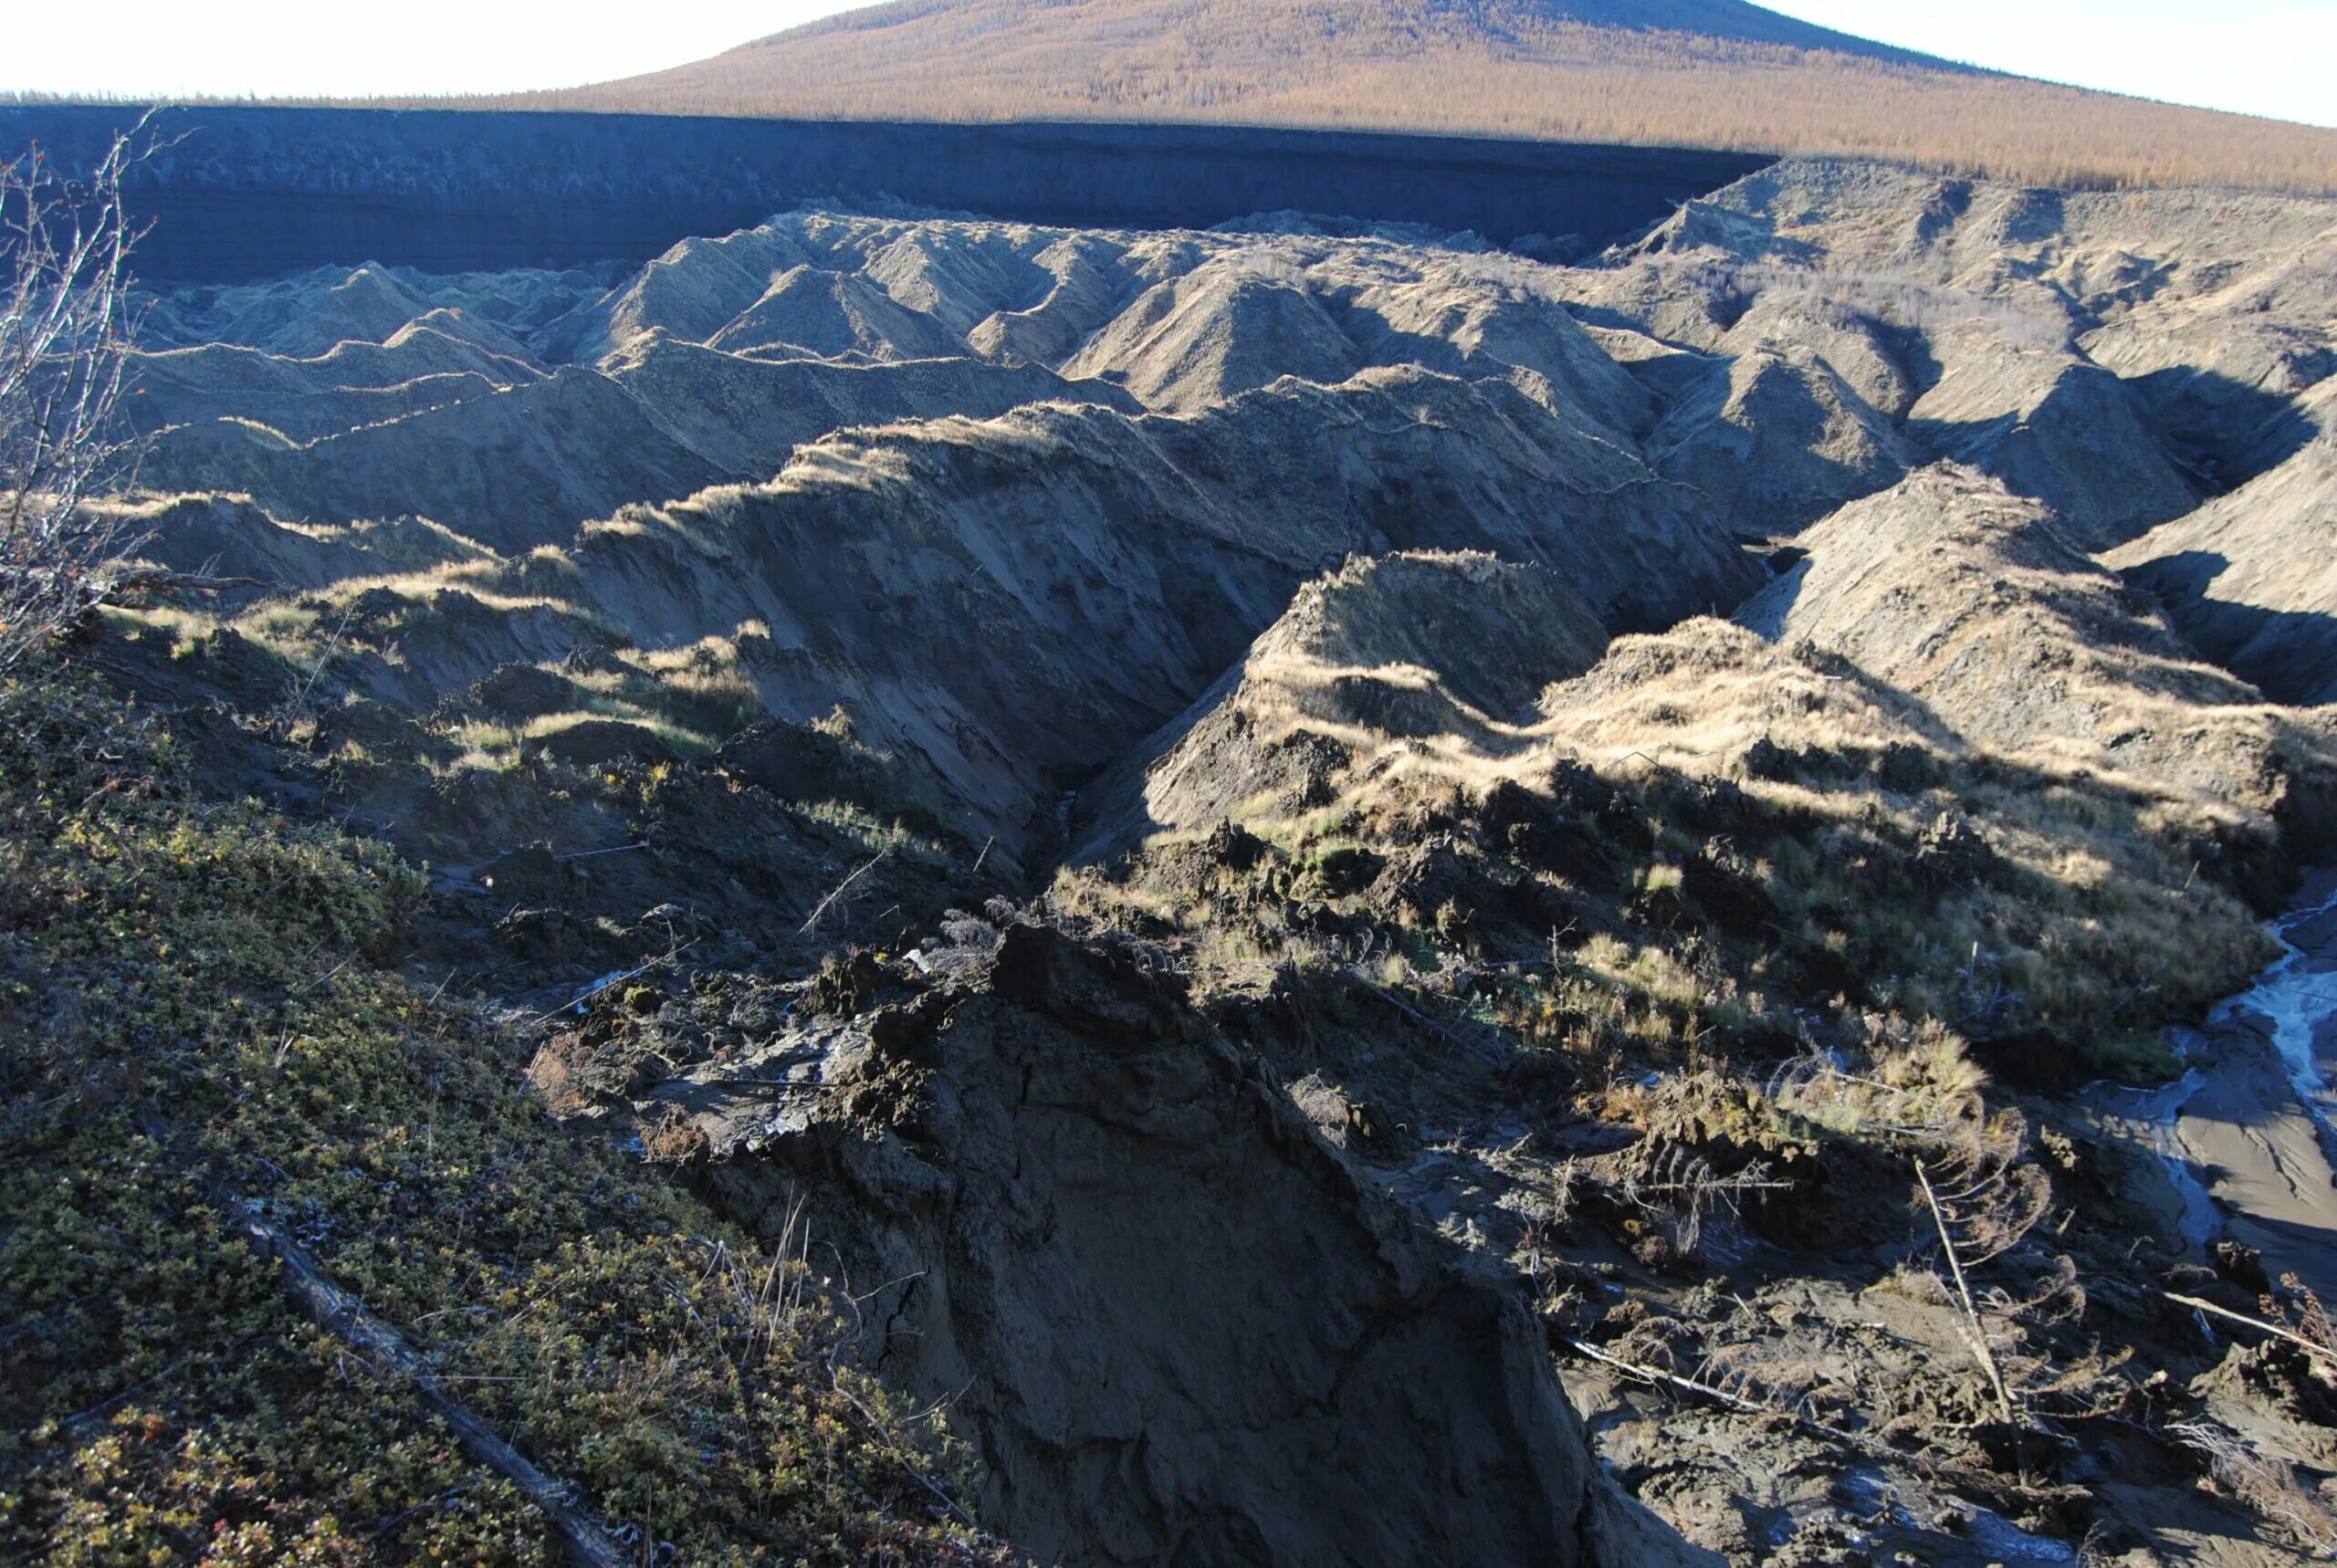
x,y
918,890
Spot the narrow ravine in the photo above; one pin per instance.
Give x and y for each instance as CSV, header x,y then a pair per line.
x,y
2249,1136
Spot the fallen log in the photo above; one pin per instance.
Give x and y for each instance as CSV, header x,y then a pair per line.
x,y
2308,1347
157,582
343,1315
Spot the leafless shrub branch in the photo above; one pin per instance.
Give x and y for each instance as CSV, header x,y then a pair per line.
x,y
1674,1181
1985,1196
2263,1483
66,321
2324,1351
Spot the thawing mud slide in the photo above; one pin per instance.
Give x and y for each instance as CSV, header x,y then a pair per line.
x,y
1327,892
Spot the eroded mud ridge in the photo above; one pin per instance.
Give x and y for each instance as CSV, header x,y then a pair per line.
x,y
1375,901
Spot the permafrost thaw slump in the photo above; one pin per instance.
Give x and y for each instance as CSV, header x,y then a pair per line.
x,y
1188,797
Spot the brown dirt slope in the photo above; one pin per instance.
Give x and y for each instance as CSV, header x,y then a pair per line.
x,y
2251,577
1034,593
1404,653
2121,356
1973,601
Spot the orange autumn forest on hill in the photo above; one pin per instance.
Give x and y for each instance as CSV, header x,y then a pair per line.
x,y
1707,73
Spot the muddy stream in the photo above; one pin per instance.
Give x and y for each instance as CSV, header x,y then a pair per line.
x,y
2248,1137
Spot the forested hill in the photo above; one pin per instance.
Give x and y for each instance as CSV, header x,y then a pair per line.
x,y
1702,73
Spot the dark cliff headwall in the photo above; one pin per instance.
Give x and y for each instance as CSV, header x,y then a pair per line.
x,y
243,192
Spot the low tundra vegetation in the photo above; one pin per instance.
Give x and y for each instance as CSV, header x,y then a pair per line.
x,y
1640,905
202,1029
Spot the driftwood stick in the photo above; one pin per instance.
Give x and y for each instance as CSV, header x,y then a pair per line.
x,y
821,908
157,582
1745,1407
343,1315
1704,1390
2275,1330
600,987
596,855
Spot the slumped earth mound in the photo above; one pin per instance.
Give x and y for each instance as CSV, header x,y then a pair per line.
x,y
1194,896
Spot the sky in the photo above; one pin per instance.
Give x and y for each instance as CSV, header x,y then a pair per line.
x,y
2276,58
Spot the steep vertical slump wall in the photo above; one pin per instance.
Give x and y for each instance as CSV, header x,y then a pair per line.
x,y
1181,1327
241,193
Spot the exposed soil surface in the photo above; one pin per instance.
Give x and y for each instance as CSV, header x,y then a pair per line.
x,y
1374,902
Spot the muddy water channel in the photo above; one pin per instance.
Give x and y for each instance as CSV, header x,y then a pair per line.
x,y
2248,1135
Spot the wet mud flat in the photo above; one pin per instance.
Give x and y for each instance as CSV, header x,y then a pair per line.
x,y
2245,1138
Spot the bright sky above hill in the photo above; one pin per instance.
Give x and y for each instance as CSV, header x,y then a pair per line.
x,y
2277,58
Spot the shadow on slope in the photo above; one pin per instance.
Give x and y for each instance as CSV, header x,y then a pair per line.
x,y
2291,654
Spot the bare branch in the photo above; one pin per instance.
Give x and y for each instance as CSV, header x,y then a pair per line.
x,y
2259,1324
335,1310
838,892
157,580
66,323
